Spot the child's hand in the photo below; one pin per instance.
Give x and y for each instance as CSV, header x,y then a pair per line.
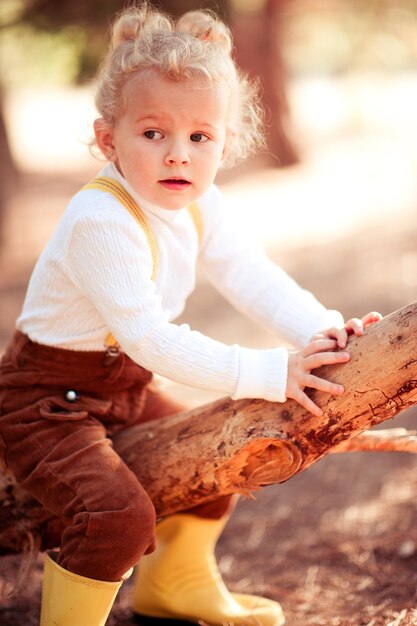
x,y
354,326
300,363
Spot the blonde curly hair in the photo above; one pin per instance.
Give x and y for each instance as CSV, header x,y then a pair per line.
x,y
196,46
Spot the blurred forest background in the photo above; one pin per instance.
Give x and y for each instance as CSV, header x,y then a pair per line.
x,y
333,200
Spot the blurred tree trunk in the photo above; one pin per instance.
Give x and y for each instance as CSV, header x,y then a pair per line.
x,y
258,39
8,170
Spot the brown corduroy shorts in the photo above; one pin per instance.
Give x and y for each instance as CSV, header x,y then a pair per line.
x,y
58,410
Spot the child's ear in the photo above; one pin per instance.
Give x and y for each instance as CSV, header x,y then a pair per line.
x,y
104,138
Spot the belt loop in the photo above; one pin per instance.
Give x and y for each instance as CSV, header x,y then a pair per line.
x,y
113,351
112,356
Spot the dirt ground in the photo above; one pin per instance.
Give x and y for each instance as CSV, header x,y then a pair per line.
x,y
337,544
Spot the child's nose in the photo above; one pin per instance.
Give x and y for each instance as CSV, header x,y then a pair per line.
x,y
177,154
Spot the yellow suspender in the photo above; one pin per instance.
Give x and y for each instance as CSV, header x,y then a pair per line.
x,y
105,183
195,214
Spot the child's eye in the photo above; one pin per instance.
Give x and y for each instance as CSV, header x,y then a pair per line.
x,y
199,137
153,134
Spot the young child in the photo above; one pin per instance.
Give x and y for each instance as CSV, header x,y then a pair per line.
x,y
97,321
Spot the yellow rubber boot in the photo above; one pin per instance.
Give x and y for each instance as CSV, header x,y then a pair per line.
x,y
181,580
72,600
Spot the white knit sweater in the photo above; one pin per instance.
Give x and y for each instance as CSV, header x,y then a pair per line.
x,y
94,275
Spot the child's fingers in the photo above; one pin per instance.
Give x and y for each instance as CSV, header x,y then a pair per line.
x,y
326,358
314,382
307,403
354,326
319,345
371,318
340,334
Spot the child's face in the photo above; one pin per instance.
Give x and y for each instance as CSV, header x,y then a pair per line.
x,y
170,139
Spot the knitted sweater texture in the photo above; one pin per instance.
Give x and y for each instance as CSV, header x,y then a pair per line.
x,y
94,276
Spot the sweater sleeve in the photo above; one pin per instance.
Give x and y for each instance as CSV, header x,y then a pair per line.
x,y
109,261
256,286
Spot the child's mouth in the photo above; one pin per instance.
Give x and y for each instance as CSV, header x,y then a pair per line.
x,y
175,184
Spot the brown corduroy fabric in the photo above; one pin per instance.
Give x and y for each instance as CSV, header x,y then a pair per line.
x,y
58,446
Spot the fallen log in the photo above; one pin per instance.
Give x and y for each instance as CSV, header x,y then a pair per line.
x,y
389,440
240,446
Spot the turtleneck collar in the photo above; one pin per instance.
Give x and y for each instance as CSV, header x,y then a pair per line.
x,y
167,215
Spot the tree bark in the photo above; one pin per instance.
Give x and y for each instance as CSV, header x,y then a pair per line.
x,y
390,440
240,446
